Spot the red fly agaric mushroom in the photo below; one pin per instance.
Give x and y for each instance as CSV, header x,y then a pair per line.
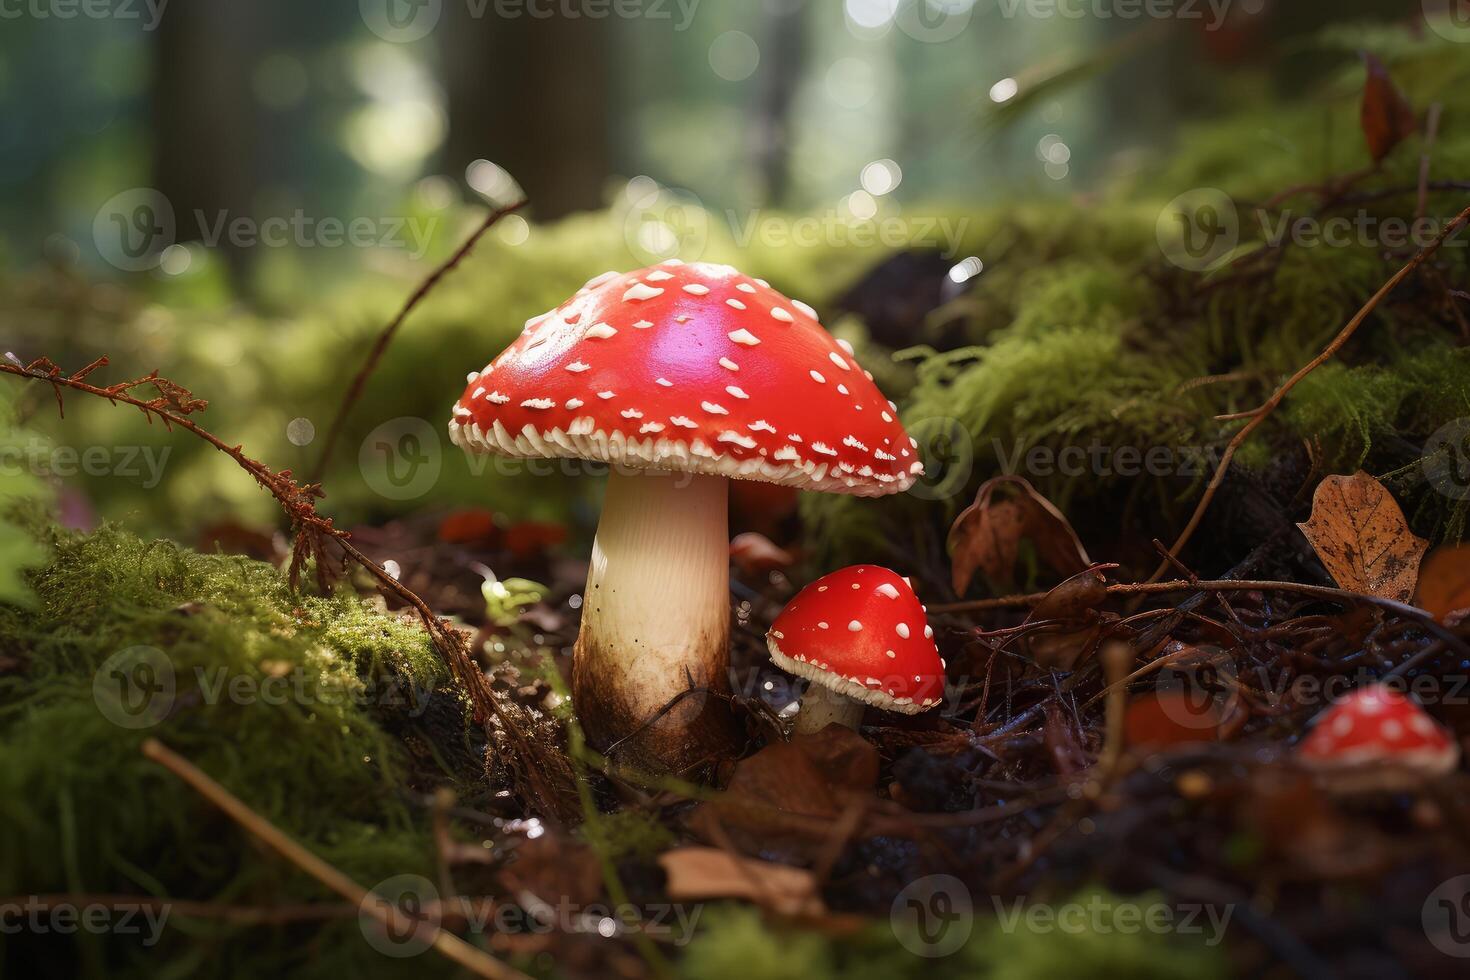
x,y
683,377
1377,738
861,637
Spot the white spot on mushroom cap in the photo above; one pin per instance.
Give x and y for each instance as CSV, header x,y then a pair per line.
x,y
783,315
734,303
735,391
888,590
497,398
574,403
804,308
472,377
817,377
887,417
728,364
631,413
601,331
577,367
844,345
745,287
855,626
837,359
651,427
664,382
743,336
683,421
537,403
734,437
761,425
658,275
714,409
605,395
478,392
902,629
696,289
928,632
642,291
643,324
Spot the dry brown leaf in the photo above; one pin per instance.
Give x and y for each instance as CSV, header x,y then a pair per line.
x,y
987,535
700,873
1387,117
1444,581
1359,532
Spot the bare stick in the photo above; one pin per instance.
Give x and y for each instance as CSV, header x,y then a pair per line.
x,y
451,946
1258,416
1226,585
380,346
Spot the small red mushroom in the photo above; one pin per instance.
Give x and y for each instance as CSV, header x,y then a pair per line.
x,y
1377,738
681,378
861,637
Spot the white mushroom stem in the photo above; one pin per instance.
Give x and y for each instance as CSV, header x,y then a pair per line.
x,y
821,706
656,619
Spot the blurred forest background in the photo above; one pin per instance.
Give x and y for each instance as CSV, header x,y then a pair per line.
x,y
134,143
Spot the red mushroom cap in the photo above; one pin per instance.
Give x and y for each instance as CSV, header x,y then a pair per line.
x,y
694,368
1376,725
862,632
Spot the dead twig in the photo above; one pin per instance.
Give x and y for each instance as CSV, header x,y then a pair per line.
x,y
449,945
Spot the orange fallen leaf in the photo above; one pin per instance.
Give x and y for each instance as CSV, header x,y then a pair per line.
x,y
1386,116
1359,532
1444,581
699,873
987,535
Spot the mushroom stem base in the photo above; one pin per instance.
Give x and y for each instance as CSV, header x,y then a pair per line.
x,y
821,706
656,624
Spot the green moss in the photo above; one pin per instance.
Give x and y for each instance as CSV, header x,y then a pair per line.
x,y
273,694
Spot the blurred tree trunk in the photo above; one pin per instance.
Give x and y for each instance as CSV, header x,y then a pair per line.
x,y
531,95
783,56
205,120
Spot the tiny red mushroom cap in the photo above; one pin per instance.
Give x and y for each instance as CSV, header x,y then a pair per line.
x,y
695,368
861,632
1377,725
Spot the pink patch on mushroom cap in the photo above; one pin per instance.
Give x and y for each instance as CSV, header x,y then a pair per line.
x,y
634,369
1377,724
870,612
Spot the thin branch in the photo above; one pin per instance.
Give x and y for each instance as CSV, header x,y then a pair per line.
x,y
451,946
1227,585
380,346
1257,417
